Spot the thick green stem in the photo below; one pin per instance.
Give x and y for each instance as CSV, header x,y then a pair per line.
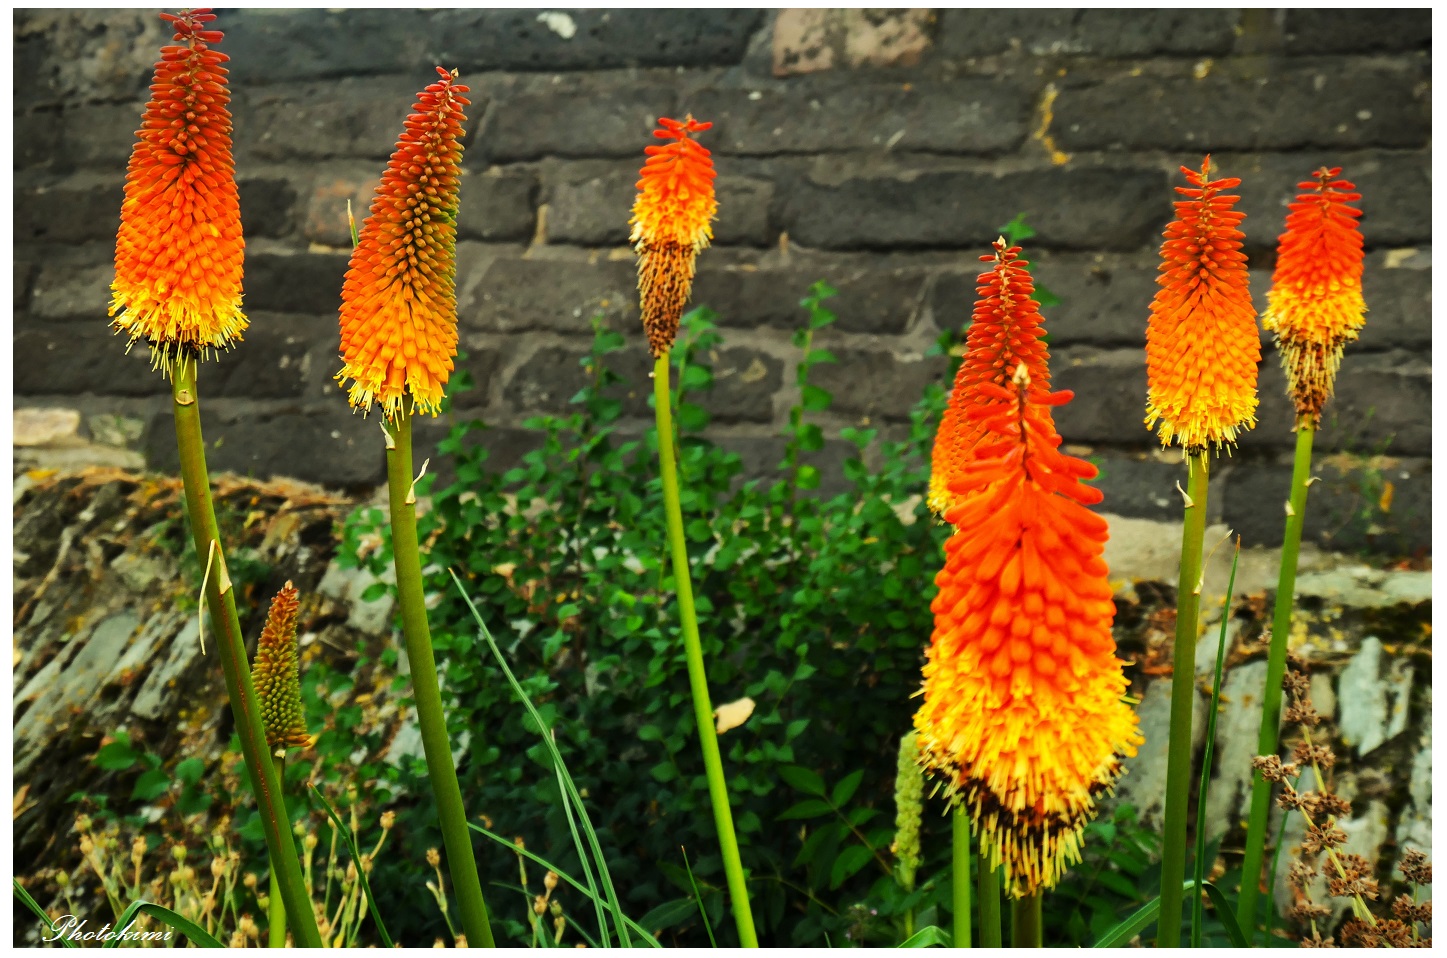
x,y
1026,925
221,602
1183,699
989,900
425,691
276,908
1266,742
697,676
961,820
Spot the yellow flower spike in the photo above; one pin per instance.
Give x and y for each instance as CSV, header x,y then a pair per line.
x,y
1315,303
274,674
671,226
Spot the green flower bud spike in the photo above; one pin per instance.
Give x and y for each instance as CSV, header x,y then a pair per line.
x,y
274,674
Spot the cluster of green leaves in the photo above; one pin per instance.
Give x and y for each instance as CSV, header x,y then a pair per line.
x,y
813,607
121,757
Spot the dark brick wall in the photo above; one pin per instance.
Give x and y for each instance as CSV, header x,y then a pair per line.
x,y
878,150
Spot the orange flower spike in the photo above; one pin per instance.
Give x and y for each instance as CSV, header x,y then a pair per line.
x,y
671,226
1005,331
1024,714
1202,345
179,249
1315,303
399,299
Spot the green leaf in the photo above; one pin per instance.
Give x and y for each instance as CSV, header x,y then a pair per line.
x,y
1122,933
668,914
1016,231
803,779
1226,915
807,477
929,936
116,756
34,906
190,770
816,399
809,808
374,592
848,864
691,418
194,932
846,788
150,785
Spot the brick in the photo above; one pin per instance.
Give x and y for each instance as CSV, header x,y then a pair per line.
x,y
1070,208
806,40
744,383
65,214
592,205
64,57
482,365
505,447
517,295
23,275
72,358
1324,30
1399,307
894,383
1393,187
592,39
498,206
813,116
1382,405
327,444
282,46
1095,32
352,117
37,137
331,186
64,292
298,283
1110,395
1346,105
1344,510
761,456
1138,487
573,120
99,135
1105,297
548,379
271,362
870,300
267,206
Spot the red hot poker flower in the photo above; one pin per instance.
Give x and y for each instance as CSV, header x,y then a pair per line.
x,y
399,301
671,226
1005,332
1316,304
179,250
1023,713
1202,346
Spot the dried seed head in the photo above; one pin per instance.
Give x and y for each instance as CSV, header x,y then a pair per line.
x,y
434,858
1321,837
310,841
1300,874
1308,753
550,881
1416,868
389,818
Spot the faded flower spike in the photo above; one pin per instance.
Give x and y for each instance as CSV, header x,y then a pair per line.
x,y
1024,714
1315,303
179,250
274,674
399,302
671,225
1005,332
1202,346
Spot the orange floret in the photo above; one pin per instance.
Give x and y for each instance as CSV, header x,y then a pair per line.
x,y
179,249
1202,346
671,226
1005,331
399,301
1316,304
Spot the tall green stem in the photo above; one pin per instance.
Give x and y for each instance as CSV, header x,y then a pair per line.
x,y
276,907
1026,924
697,677
961,820
440,770
1183,697
989,901
221,602
1275,669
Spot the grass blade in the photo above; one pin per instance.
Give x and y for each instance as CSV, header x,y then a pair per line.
x,y
712,942
23,894
564,876
197,935
582,854
1198,907
356,857
570,790
928,937
1228,917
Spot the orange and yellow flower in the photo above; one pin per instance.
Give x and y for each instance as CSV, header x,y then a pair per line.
x,y
1202,345
671,225
1005,332
1024,715
179,249
399,300
1315,303
274,675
